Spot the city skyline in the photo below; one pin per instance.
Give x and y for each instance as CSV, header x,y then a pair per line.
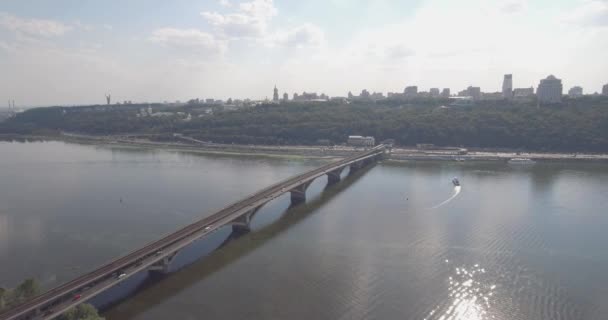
x,y
238,49
508,91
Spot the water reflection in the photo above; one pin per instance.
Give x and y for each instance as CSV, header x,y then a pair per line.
x,y
470,293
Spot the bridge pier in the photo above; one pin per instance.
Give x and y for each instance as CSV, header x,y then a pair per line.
x,y
334,175
242,223
298,194
162,266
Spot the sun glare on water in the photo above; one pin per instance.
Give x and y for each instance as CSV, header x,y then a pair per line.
x,y
469,297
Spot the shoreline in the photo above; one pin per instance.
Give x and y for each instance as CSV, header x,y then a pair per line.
x,y
312,152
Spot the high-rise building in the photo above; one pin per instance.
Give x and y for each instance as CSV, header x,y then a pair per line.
x,y
605,90
275,94
410,91
507,86
473,92
550,90
434,92
575,92
445,93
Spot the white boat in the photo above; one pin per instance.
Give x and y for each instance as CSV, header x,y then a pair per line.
x,y
521,161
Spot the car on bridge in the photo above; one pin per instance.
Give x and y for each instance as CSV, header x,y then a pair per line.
x,y
77,297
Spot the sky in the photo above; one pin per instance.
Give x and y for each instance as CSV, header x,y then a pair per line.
x,y
70,52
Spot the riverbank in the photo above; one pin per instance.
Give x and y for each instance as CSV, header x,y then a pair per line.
x,y
397,153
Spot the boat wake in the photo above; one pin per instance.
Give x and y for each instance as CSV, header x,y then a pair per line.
x,y
454,195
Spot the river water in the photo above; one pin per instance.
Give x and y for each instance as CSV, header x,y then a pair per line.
x,y
398,241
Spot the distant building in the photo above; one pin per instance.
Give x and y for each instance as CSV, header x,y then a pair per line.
x,y
434,92
575,92
285,96
209,101
377,96
473,92
305,96
605,90
507,86
275,94
492,96
350,95
445,93
364,94
523,92
410,91
550,90
360,141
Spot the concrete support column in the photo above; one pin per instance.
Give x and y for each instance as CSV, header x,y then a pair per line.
x,y
242,223
334,176
162,266
298,194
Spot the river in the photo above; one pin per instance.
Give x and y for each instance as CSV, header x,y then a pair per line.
x,y
396,242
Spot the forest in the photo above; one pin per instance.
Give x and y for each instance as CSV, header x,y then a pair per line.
x,y
573,126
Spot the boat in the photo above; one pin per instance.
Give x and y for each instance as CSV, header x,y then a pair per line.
x,y
456,182
521,161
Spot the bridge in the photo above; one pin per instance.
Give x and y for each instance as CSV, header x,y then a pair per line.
x,y
157,255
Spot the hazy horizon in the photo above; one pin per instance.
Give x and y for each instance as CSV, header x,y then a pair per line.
x,y
66,53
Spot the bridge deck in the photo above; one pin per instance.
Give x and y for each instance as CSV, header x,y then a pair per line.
x,y
55,301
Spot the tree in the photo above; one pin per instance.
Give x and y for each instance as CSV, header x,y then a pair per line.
x,y
27,289
83,311
11,297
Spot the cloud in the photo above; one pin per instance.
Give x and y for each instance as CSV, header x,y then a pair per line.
x,y
6,46
83,26
33,27
225,3
306,35
188,38
513,6
249,21
592,13
398,52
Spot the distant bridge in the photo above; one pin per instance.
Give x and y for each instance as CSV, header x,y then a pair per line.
x,y
157,256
